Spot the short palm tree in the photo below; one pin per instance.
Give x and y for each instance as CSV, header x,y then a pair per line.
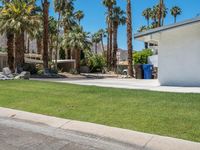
x,y
109,4
175,11
77,40
96,39
118,18
147,14
129,38
17,18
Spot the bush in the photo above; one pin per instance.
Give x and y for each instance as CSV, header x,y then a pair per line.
x,y
96,62
30,68
141,57
62,54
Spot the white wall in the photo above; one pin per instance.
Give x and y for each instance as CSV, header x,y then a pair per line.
x,y
179,56
153,60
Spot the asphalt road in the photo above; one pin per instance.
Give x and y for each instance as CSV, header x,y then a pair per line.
x,y
20,135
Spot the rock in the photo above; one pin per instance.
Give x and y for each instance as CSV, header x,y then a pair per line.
x,y
6,71
23,75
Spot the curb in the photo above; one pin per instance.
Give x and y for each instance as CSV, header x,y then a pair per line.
x,y
138,139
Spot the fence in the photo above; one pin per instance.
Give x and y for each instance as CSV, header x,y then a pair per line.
x,y
3,60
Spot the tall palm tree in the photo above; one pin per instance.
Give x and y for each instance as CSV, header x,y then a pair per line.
x,y
147,14
175,11
160,12
79,15
154,15
118,18
102,34
77,40
129,38
17,18
45,5
52,36
109,4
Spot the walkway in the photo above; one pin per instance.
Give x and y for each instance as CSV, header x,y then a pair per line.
x,y
151,85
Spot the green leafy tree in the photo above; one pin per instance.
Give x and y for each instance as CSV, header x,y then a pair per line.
x,y
141,57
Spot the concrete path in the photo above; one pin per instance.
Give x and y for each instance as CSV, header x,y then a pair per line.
x,y
23,130
152,85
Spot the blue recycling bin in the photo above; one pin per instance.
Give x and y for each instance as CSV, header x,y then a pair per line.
x,y
148,71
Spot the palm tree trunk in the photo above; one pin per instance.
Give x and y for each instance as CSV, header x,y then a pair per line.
x,y
77,57
129,39
174,19
110,42
28,45
160,13
57,42
19,50
10,48
115,46
46,34
102,44
51,48
95,48
39,46
108,47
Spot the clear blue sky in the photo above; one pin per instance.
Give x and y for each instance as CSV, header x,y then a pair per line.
x,y
95,18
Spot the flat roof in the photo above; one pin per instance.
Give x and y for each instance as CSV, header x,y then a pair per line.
x,y
167,27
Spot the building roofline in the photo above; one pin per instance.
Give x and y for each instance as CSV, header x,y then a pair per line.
x,y
167,27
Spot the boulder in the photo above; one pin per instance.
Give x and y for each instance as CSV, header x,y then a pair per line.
x,y
23,75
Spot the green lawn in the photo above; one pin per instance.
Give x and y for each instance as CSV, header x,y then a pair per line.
x,y
170,114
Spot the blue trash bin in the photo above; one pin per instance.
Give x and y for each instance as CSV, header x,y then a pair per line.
x,y
148,71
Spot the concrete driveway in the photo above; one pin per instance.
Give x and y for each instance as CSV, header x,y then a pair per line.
x,y
152,85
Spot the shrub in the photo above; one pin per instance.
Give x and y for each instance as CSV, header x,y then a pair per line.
x,y
62,54
96,62
30,68
141,57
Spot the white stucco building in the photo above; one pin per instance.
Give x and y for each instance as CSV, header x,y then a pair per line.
x,y
178,52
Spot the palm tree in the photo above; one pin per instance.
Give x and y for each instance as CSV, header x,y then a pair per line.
x,y
96,39
160,12
164,14
17,18
109,4
147,14
79,15
153,14
45,5
52,35
129,38
143,28
102,33
118,18
175,11
77,40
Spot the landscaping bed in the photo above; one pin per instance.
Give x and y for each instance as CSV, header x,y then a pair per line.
x,y
169,114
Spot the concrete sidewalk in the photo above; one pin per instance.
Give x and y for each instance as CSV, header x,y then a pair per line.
x,y
151,85
136,139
